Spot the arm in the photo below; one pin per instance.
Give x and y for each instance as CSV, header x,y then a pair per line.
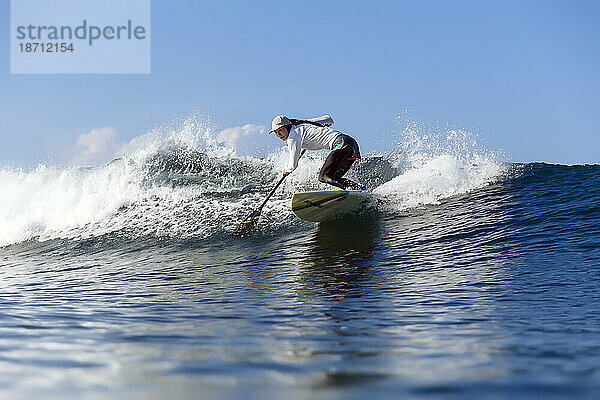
x,y
323,120
294,154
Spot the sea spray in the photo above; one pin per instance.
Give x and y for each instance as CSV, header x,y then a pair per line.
x,y
436,162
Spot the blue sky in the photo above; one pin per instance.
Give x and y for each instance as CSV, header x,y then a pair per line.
x,y
525,75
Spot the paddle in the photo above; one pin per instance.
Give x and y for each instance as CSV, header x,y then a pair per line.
x,y
249,223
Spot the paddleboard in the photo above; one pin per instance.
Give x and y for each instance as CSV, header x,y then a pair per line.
x,y
325,205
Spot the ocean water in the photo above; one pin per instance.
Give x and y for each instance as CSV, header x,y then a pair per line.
x,y
465,276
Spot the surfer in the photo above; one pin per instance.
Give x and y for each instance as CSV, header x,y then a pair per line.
x,y
316,134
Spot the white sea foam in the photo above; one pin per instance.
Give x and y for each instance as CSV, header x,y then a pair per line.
x,y
435,179
437,163
78,202
50,202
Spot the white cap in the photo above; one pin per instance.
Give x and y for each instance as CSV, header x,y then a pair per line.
x,y
278,122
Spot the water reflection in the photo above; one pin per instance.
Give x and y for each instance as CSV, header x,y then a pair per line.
x,y
408,292
338,257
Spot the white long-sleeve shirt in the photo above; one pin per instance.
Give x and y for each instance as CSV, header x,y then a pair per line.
x,y
310,137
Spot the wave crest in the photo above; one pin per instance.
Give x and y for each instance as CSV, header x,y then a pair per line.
x,y
181,182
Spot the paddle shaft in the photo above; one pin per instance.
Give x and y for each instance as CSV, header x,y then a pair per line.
x,y
258,211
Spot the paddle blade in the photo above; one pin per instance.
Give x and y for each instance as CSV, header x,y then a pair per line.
x,y
246,227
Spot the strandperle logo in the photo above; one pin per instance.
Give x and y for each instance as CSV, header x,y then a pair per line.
x,y
84,31
80,36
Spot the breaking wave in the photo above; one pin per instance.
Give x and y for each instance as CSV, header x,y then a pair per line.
x,y
180,182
